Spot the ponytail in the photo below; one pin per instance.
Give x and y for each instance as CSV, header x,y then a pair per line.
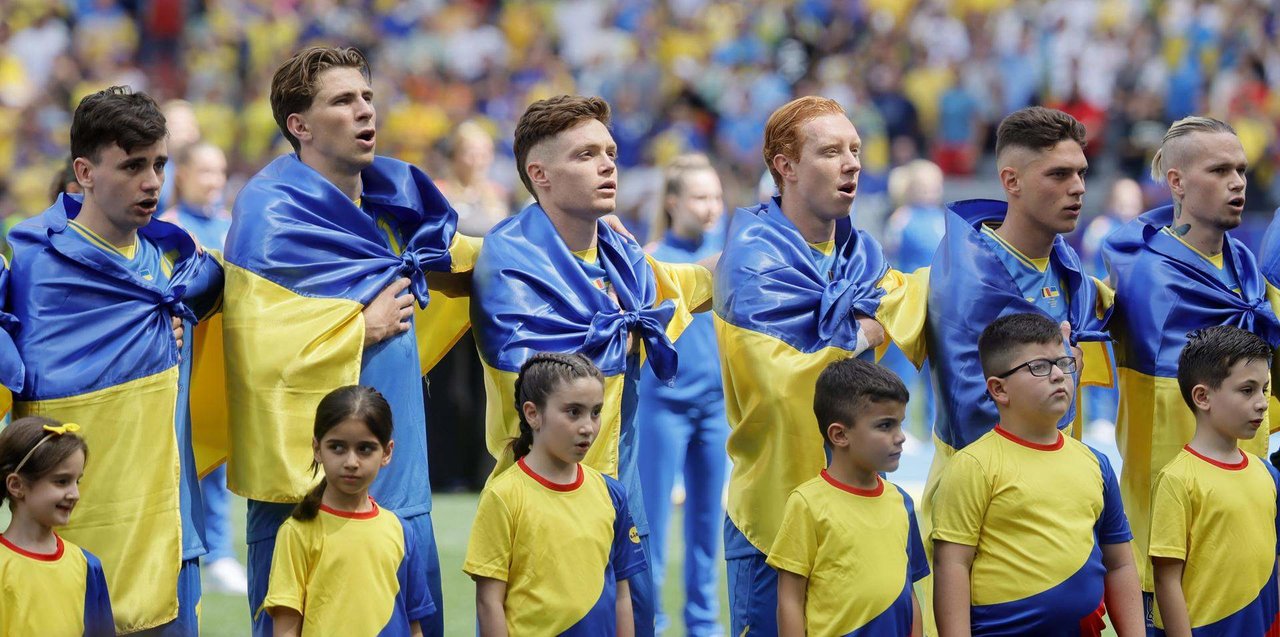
x,y
352,401
539,377
309,508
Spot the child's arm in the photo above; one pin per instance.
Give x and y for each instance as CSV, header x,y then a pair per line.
x,y
626,618
1123,592
1173,604
951,594
491,594
415,629
286,622
917,623
792,588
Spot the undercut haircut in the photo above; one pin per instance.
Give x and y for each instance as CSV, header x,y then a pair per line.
x,y
294,86
1037,128
117,116
846,386
1210,353
547,118
1164,159
1005,335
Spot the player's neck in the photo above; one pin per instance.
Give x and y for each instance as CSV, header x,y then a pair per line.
x,y
814,229
92,217
350,183
1205,238
578,231
1040,431
30,535
845,471
551,468
1027,237
1215,445
348,502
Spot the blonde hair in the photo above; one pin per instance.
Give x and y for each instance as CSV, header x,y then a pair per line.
x,y
904,179
782,132
1182,128
673,180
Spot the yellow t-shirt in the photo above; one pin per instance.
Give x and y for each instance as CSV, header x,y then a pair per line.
x,y
1214,517
831,530
350,573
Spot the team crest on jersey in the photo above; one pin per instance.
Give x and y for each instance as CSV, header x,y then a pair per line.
x,y
634,535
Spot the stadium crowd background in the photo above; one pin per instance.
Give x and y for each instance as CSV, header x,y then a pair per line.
x,y
923,78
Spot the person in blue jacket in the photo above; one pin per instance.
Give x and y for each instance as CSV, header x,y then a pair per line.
x,y
684,430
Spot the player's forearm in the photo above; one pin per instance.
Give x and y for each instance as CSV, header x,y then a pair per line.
x,y
1171,600
490,615
626,617
951,599
1123,592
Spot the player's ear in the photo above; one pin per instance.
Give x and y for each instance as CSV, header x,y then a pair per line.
x,y
998,390
297,126
83,169
785,167
1200,397
1177,187
1010,180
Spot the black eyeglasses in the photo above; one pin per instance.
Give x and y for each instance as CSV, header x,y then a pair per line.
x,y
1042,367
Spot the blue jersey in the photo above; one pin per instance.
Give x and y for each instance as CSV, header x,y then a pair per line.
x,y
1038,279
209,227
698,380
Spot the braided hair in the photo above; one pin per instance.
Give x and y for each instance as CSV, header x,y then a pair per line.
x,y
539,377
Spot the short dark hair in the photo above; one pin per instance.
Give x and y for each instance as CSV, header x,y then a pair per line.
x,y
1000,339
550,117
1038,128
1210,353
117,116
293,87
847,385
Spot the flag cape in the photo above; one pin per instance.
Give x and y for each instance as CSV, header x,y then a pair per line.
x,y
1163,293
303,260
969,287
779,323
99,350
531,295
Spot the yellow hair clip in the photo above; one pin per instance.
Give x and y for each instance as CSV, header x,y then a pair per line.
x,y
68,428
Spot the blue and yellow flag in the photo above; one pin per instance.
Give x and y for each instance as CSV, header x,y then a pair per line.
x,y
97,341
12,371
969,287
303,260
1164,291
780,320
531,294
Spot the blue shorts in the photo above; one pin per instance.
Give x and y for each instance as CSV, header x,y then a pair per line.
x,y
753,586
188,620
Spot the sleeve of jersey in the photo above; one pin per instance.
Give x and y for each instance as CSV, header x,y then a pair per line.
x,y
418,604
98,619
492,534
1170,518
1097,364
795,549
625,555
686,284
290,570
902,312
448,316
12,371
960,503
917,562
283,353
1113,526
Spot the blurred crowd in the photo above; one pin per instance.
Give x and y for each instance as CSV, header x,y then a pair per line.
x,y
921,79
